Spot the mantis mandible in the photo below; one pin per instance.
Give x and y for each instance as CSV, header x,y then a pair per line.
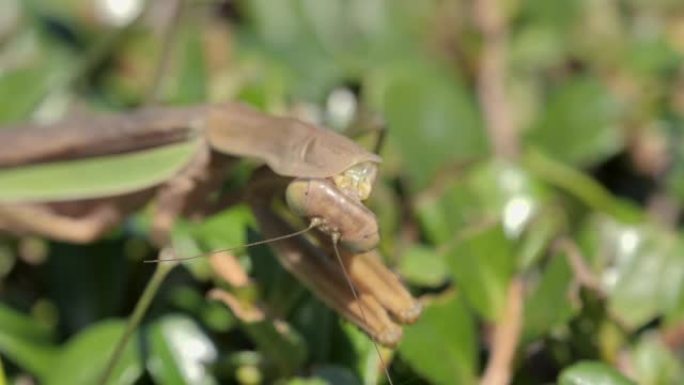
x,y
326,177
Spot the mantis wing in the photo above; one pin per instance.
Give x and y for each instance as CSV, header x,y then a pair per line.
x,y
288,146
94,177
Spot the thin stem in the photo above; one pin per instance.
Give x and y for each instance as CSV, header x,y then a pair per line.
x,y
168,40
160,273
506,338
492,77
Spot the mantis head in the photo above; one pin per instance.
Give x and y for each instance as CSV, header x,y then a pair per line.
x,y
334,205
357,181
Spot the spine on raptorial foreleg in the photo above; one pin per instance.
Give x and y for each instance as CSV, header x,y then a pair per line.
x,y
323,277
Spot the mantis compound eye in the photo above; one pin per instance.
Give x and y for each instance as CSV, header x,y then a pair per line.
x,y
338,213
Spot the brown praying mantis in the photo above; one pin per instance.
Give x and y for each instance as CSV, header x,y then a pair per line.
x,y
325,177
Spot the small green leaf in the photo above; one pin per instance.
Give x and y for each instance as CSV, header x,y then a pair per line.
x,y
442,216
592,373
94,177
578,125
581,186
549,304
180,352
45,67
192,77
26,342
654,363
482,264
83,359
642,268
432,120
441,346
423,266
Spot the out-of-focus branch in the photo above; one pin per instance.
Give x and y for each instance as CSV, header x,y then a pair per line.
x,y
506,337
491,88
581,271
169,33
492,79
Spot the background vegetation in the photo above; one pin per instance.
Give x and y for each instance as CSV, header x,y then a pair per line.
x,y
531,191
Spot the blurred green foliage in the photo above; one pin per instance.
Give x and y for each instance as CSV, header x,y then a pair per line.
x,y
588,218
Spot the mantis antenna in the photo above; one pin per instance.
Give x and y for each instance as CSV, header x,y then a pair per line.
x,y
314,223
335,238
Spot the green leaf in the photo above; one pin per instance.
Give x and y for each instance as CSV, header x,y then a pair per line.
x,y
336,375
319,327
83,359
642,267
45,68
224,230
357,351
280,343
423,266
442,346
3,379
482,264
504,190
581,186
654,363
492,189
432,120
445,214
17,98
94,177
592,373
180,352
578,125
192,76
549,304
26,342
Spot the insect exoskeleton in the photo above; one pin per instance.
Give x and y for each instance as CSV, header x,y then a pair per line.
x,y
336,205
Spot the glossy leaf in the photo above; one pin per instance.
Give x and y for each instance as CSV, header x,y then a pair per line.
x,y
423,266
83,359
592,373
441,346
654,363
642,269
482,264
577,124
26,342
550,304
583,187
180,352
443,215
192,77
432,120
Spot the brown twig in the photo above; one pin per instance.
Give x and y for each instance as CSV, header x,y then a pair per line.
x,y
169,33
582,273
226,266
506,337
492,79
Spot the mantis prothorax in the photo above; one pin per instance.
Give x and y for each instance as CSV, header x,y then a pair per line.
x,y
332,176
